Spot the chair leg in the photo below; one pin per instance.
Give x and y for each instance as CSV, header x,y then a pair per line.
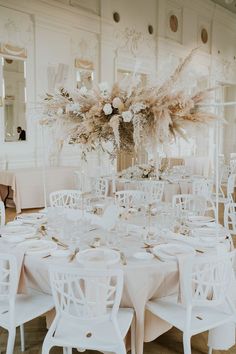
x,y
187,344
210,350
67,350
133,336
11,341
46,348
22,338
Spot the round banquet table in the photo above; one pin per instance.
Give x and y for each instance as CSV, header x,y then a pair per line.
x,y
143,280
183,186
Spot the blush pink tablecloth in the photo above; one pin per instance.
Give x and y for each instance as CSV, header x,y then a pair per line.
x,y
170,189
155,279
27,184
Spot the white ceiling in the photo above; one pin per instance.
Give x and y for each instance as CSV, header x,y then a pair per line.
x,y
227,4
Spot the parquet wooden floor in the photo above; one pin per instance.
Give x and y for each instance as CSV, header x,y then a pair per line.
x,y
168,343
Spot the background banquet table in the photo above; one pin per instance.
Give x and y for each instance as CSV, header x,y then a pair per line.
x,y
26,184
183,186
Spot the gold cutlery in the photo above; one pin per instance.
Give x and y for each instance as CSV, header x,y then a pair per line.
x,y
48,255
59,243
73,255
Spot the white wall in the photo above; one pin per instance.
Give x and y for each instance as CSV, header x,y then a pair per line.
x,y
55,33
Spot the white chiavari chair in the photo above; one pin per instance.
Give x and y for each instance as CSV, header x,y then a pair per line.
x,y
101,187
229,198
230,218
153,190
2,213
203,187
129,198
233,166
15,310
195,204
66,198
87,311
205,288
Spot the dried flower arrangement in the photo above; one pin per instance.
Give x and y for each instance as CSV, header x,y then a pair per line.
x,y
139,172
126,117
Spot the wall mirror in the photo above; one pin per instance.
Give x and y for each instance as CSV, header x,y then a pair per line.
x,y
126,74
84,73
14,99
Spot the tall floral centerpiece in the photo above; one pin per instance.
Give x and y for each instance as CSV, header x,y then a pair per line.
x,y
125,117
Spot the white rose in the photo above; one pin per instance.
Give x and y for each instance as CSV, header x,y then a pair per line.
x,y
103,86
107,109
59,111
83,90
116,102
127,116
74,107
137,107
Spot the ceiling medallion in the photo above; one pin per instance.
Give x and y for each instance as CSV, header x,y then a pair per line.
x,y
150,29
204,35
116,17
174,23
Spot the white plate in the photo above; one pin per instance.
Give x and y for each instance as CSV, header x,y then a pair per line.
x,y
60,253
14,239
15,223
31,216
39,247
171,251
144,256
32,219
98,257
197,219
14,230
209,232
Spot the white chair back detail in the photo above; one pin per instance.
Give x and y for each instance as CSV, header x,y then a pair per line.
x,y
66,199
233,166
231,184
230,217
2,213
153,190
101,187
129,198
8,278
85,293
206,280
195,204
203,187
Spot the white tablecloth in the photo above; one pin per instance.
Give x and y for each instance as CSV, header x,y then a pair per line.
x,y
27,184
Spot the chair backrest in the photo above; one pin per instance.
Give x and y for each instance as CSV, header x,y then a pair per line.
x,y
66,199
196,204
129,198
153,190
2,213
233,166
231,184
101,187
8,277
203,187
230,217
206,280
86,294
